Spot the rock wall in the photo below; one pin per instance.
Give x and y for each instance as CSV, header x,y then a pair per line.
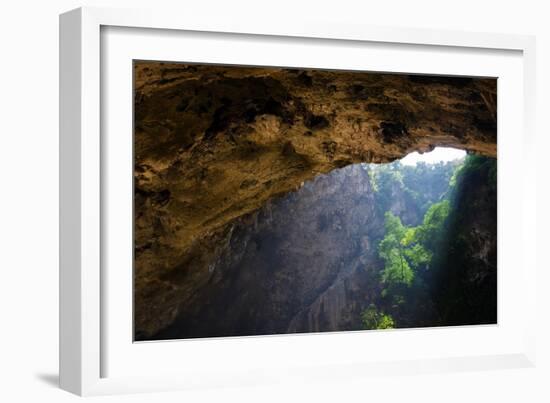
x,y
294,265
466,285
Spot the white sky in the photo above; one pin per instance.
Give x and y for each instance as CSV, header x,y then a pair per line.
x,y
438,154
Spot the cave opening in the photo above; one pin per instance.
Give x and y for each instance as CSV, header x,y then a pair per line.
x,y
275,200
366,246
438,154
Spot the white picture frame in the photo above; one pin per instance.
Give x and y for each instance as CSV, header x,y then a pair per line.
x,y
87,344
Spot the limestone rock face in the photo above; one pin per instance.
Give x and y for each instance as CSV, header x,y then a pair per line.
x,y
214,144
300,263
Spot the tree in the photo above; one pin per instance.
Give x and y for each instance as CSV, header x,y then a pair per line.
x,y
391,249
432,231
371,318
412,187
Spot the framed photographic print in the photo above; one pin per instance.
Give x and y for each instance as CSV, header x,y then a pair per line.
x,y
237,197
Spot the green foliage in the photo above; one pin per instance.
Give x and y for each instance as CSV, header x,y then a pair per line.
x,y
391,250
427,243
418,255
406,250
386,322
432,229
455,176
397,270
371,318
421,185
475,164
407,253
386,180
436,214
372,179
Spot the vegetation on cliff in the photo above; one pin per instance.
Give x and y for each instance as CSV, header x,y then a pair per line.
x,y
443,270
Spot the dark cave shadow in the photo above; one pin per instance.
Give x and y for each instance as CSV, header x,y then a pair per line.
x,y
49,379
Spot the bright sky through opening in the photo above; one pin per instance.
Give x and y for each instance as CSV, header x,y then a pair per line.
x,y
438,154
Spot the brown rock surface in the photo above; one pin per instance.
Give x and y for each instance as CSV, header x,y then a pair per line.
x,y
214,144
